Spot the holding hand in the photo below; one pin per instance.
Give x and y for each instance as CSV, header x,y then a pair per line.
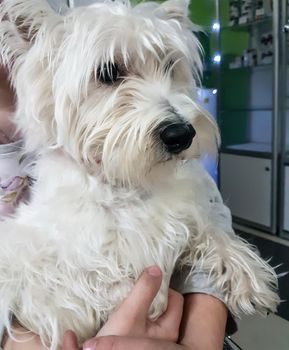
x,y
202,327
130,319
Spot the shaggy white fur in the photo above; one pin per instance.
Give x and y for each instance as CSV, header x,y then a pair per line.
x,y
94,87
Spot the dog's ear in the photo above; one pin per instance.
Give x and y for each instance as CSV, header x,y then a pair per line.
x,y
175,9
30,30
20,22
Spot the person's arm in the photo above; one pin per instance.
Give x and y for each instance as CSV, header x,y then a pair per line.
x,y
203,328
203,323
7,128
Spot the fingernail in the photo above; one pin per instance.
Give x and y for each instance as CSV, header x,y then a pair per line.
x,y
154,271
90,345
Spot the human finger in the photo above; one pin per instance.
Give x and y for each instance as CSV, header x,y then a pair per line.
x,y
130,343
69,341
138,302
170,321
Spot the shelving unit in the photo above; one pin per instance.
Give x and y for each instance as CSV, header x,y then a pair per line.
x,y
247,112
244,183
254,113
245,26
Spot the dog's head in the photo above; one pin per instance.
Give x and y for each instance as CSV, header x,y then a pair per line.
x,y
111,84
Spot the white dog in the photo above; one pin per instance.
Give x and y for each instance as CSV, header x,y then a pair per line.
x,y
106,97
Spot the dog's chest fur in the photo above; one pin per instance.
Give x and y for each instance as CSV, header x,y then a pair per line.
x,y
83,243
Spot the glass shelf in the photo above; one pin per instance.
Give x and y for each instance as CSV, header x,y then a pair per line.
x,y
248,25
248,68
252,146
257,149
249,109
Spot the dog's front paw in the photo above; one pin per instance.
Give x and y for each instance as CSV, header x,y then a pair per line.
x,y
235,271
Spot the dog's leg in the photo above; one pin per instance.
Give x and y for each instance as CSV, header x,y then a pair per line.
x,y
233,267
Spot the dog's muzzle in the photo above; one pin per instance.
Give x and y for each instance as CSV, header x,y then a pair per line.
x,y
177,136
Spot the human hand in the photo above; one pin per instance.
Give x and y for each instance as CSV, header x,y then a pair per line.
x,y
130,319
123,343
203,328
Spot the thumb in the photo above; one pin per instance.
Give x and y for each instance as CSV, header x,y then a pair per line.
x,y
138,302
69,341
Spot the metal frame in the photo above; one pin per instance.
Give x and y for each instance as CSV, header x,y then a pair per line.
x,y
252,225
70,3
283,87
276,122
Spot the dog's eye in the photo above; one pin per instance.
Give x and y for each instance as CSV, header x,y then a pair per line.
x,y
108,74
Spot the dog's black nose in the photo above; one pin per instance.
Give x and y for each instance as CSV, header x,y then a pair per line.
x,y
177,137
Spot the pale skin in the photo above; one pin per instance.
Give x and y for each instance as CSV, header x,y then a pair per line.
x,y
7,128
195,322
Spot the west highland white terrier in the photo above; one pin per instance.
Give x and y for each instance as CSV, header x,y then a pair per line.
x,y
106,98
